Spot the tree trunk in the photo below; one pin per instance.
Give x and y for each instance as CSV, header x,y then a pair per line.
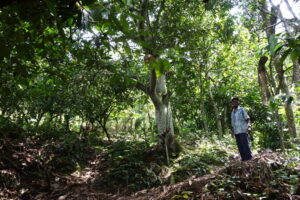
x,y
150,121
296,78
164,122
39,118
103,121
202,106
290,9
116,126
130,127
296,74
225,119
163,113
103,126
204,117
67,122
287,103
262,79
144,128
270,22
279,128
217,114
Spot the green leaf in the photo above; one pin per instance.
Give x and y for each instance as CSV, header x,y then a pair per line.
x,y
70,21
273,44
127,50
137,17
292,42
160,66
124,22
144,44
263,50
297,88
294,56
166,65
127,2
274,102
284,56
129,81
158,73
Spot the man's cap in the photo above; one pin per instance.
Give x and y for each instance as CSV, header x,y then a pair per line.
x,y
235,98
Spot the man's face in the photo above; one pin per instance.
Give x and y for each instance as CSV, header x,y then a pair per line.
x,y
235,103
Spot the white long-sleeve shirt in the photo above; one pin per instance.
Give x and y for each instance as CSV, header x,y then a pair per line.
x,y
239,119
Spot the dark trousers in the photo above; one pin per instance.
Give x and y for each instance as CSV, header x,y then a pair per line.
x,y
242,141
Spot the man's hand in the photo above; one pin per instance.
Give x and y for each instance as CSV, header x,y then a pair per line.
x,y
232,134
249,129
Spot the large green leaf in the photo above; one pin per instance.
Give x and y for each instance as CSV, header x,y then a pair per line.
x,y
124,22
273,44
137,17
284,56
160,66
294,55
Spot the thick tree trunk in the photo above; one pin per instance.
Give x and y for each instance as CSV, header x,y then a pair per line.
x,y
289,111
296,78
262,79
164,122
296,74
287,104
290,117
160,97
270,22
163,117
163,114
269,18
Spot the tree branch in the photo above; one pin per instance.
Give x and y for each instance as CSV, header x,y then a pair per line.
x,y
142,87
290,9
143,13
278,11
152,90
161,8
153,81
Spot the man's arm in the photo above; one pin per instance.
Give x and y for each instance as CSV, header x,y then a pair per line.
x,y
247,118
232,132
249,128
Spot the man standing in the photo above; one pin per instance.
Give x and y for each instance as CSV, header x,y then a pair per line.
x,y
241,127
